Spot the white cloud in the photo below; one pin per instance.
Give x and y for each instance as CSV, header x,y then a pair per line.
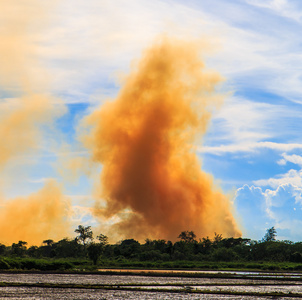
x,y
260,50
251,208
281,162
281,7
92,40
295,159
293,177
86,42
280,207
248,147
82,215
279,197
283,198
242,121
247,126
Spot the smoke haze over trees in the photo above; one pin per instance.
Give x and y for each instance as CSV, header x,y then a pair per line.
x,y
189,251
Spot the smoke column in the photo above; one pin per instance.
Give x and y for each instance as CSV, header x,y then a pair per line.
x,y
26,108
151,177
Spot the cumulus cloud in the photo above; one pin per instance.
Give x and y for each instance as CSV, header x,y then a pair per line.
x,y
292,176
276,201
251,205
260,209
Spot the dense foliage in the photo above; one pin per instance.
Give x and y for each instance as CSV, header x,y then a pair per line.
x,y
188,252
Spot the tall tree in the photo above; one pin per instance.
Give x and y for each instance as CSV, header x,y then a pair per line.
x,y
270,235
84,234
187,236
19,249
48,242
103,239
95,250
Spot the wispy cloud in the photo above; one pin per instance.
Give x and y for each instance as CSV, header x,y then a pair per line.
x,y
85,45
42,180
283,8
293,177
295,159
250,147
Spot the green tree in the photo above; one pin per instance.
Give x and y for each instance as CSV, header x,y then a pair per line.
x,y
103,239
68,248
84,235
217,239
95,250
2,249
48,242
223,254
205,245
129,248
33,251
270,235
47,248
19,248
187,236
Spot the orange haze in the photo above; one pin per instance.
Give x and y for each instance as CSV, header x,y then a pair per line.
x,y
23,116
35,218
151,176
29,107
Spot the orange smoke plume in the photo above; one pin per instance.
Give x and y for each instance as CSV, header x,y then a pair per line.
x,y
35,218
151,177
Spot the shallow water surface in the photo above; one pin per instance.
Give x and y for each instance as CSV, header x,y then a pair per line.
x,y
78,294
161,284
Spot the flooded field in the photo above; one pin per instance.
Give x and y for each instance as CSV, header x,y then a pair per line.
x,y
96,286
38,293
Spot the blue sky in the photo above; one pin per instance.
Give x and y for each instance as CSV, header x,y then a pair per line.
x,y
253,147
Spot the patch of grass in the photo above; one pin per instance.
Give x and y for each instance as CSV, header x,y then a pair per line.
x,y
17,263
73,264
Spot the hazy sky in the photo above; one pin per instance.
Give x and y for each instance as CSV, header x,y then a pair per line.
x,y
77,52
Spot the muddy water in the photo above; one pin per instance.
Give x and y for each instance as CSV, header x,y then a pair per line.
x,y
146,282
129,279
42,293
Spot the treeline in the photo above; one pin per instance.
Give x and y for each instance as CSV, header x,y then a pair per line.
x,y
130,252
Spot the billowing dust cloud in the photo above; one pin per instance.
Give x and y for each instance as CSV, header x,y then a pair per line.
x,y
26,109
35,218
151,177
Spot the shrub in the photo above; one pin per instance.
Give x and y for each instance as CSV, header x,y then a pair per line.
x,y
4,265
224,254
